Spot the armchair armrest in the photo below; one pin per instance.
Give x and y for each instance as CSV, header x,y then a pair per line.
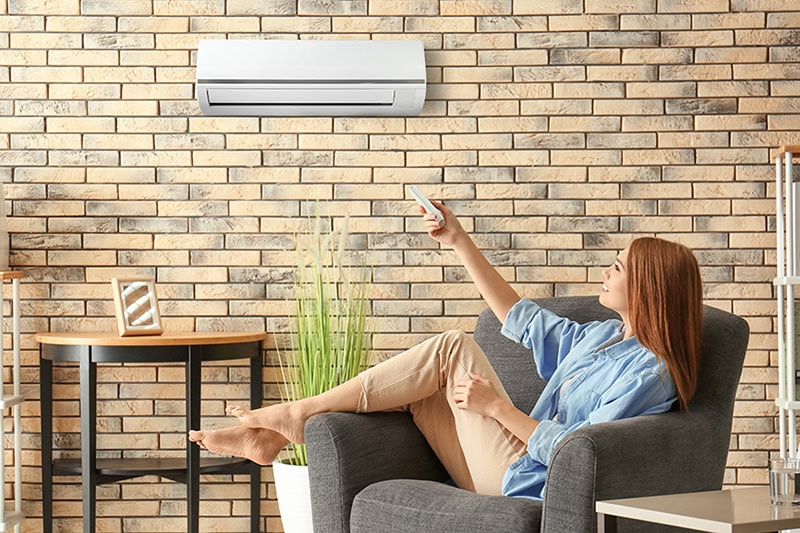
x,y
643,456
347,452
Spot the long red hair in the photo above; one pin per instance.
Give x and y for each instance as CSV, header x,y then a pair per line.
x,y
665,308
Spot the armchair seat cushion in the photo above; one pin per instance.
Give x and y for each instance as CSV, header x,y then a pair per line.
x,y
406,505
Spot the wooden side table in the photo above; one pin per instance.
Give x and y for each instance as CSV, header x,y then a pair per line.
x,y
192,349
745,510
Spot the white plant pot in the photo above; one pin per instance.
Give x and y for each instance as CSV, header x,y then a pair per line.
x,y
294,497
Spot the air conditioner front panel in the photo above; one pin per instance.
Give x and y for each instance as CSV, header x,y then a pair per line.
x,y
310,78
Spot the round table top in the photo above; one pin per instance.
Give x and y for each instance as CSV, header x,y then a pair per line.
x,y
172,338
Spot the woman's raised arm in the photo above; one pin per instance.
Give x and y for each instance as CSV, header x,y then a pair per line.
x,y
496,291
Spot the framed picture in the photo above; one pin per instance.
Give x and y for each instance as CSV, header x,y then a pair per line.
x,y
137,307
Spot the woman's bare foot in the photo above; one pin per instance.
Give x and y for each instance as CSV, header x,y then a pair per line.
x,y
285,418
260,445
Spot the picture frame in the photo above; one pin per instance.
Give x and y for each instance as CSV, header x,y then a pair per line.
x,y
136,306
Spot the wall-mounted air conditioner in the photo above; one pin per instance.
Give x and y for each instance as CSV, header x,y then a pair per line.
x,y
310,78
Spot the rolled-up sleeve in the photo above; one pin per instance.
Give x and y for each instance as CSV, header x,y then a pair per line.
x,y
549,336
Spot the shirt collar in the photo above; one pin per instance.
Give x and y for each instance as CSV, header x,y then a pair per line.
x,y
617,346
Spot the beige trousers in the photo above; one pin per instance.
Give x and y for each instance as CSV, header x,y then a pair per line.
x,y
475,450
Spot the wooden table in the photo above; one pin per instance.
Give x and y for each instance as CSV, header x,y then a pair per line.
x,y
745,510
192,349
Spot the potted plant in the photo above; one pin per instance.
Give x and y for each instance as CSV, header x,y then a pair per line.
x,y
329,345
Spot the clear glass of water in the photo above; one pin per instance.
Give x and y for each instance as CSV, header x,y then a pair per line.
x,y
784,481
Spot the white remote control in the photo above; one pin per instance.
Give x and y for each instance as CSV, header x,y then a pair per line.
x,y
427,205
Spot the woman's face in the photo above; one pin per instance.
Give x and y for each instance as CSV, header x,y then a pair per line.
x,y
614,293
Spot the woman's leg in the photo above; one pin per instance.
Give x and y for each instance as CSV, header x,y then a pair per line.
x,y
476,450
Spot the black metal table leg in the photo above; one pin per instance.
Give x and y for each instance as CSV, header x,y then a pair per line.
x,y
256,399
88,401
46,396
193,377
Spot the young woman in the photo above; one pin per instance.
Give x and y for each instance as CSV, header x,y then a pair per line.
x,y
595,372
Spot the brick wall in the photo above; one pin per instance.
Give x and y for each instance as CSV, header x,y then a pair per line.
x,y
557,131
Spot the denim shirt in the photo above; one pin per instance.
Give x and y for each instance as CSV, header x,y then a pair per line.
x,y
593,375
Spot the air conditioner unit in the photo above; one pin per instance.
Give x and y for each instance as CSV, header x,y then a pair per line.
x,y
310,78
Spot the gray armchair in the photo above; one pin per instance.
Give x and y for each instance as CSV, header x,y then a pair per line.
x,y
375,473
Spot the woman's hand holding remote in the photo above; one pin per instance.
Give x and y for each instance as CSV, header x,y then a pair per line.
x,y
448,234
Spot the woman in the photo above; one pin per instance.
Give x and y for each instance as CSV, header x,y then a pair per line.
x,y
595,372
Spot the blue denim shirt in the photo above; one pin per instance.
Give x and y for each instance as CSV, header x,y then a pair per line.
x,y
592,375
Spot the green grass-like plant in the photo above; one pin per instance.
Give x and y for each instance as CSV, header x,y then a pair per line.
x,y
330,342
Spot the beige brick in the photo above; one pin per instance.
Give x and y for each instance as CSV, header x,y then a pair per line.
x,y
45,74
733,88
21,124
686,139
119,7
654,22
477,74
167,91
193,141
118,75
17,23
674,123
404,142
124,108
224,24
226,124
694,72
656,190
588,90
400,7
77,257
332,7
661,157
307,141
731,155
687,6
731,55
188,7
728,20
609,6
549,107
223,158
155,159
154,57
483,108
550,74
512,158
151,125
79,124
532,7
47,141
505,91
22,158
452,24
367,25
475,7
193,175
45,41
476,141
550,140
585,124
118,142
44,7
438,124
288,24
666,224
628,106
145,24
730,122
658,56
85,91
23,57
629,73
